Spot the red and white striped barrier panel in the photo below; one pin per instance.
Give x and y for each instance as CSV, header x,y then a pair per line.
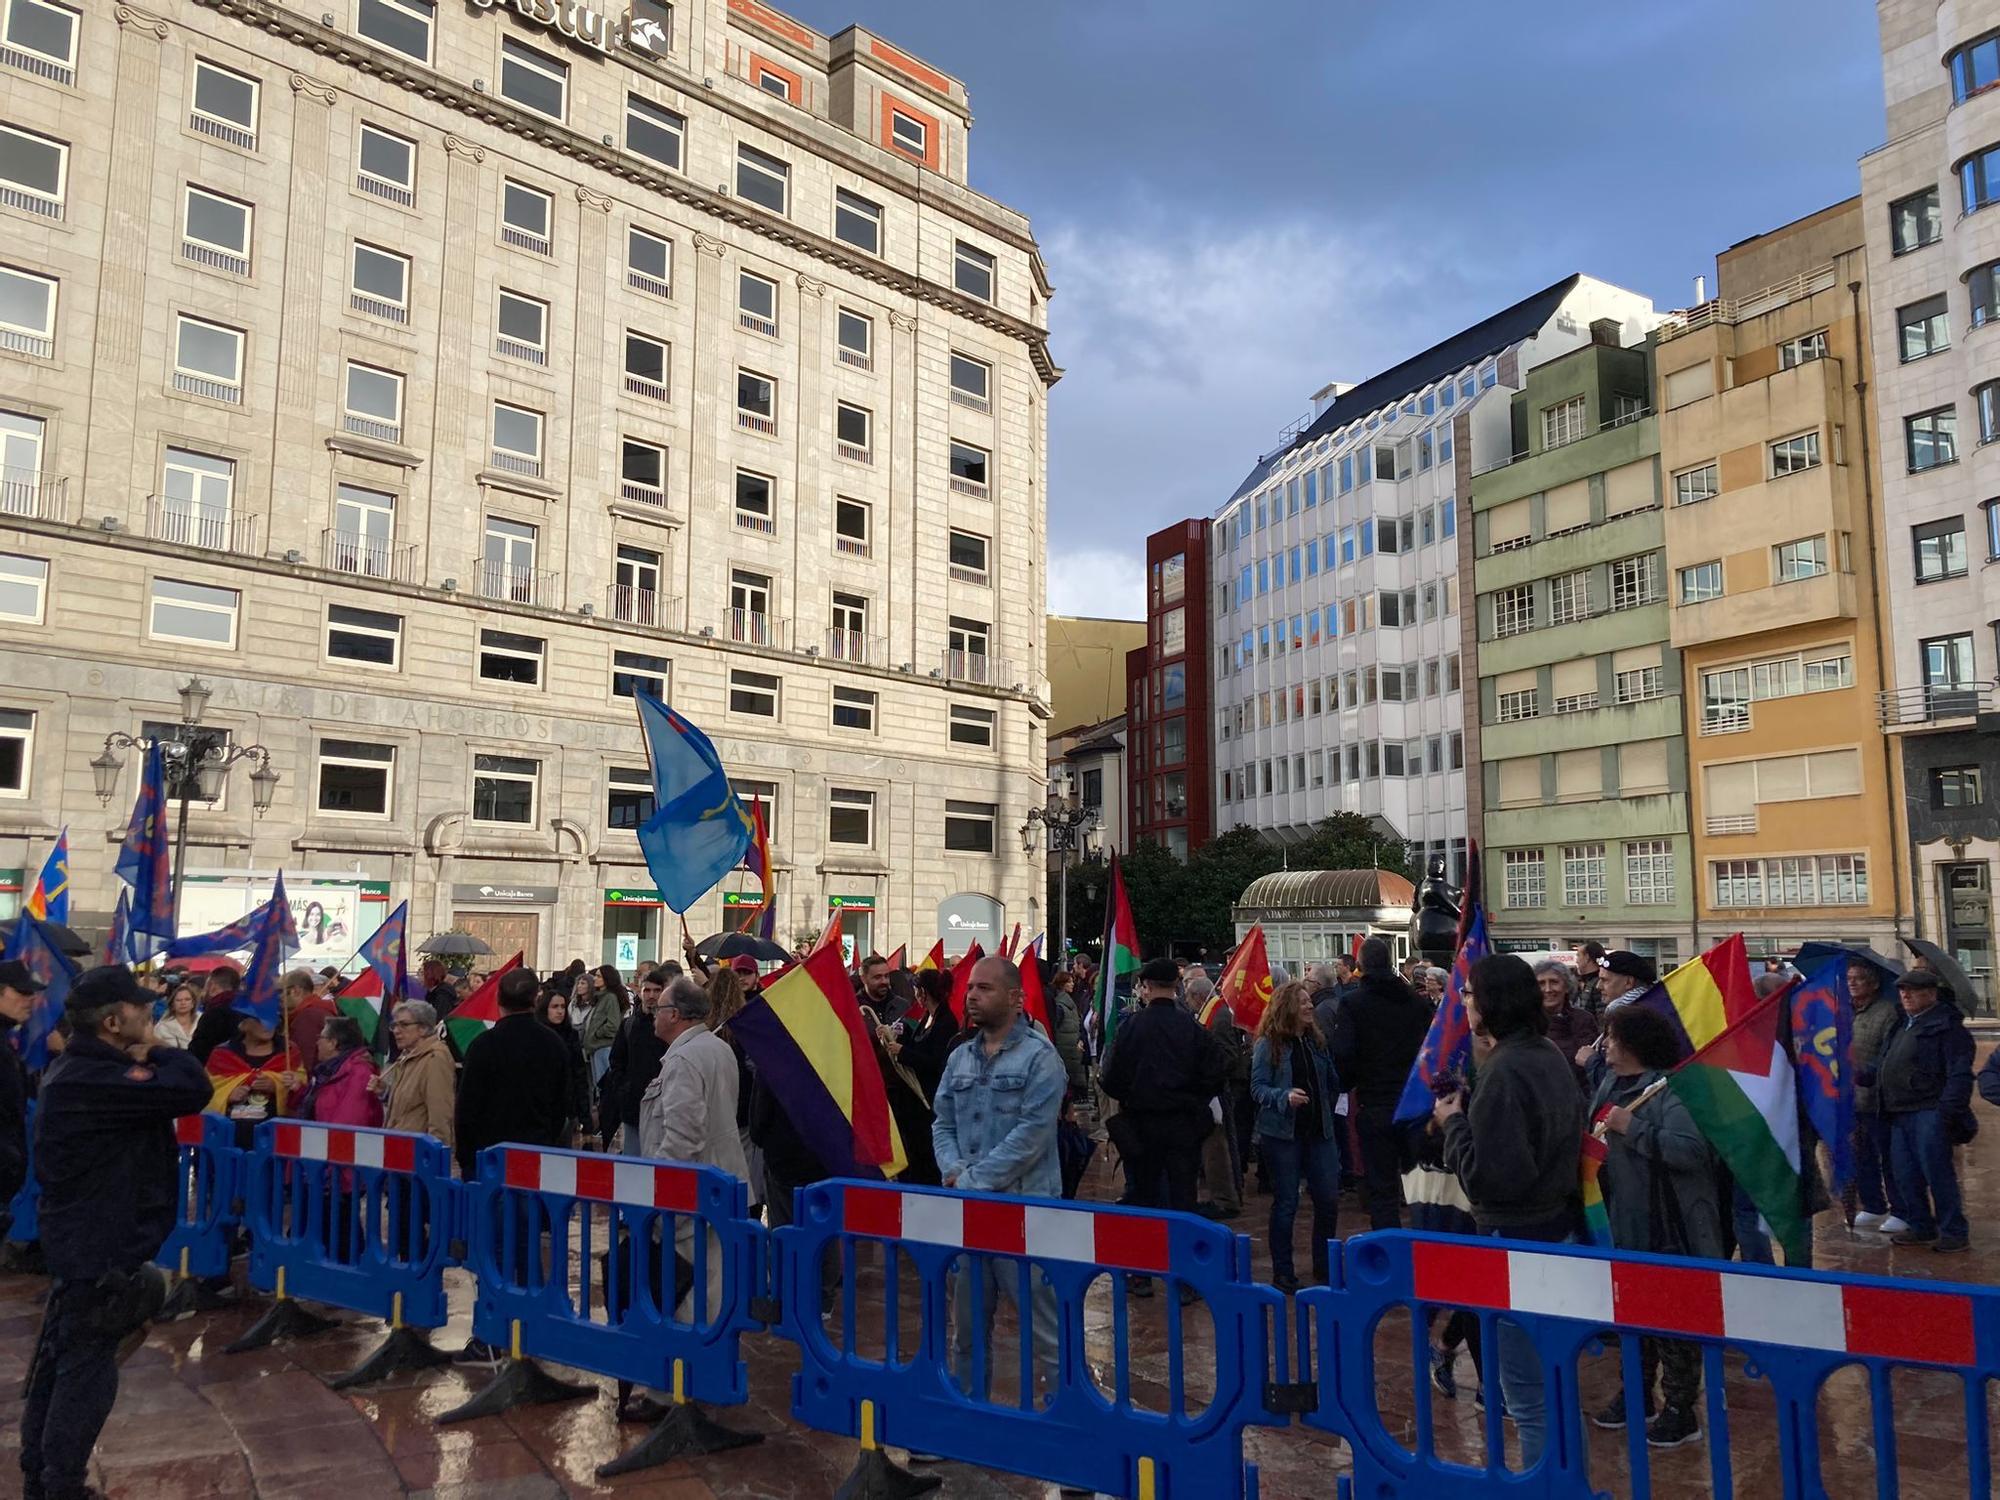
x,y
1916,1327
604,1179
188,1130
1003,1226
345,1148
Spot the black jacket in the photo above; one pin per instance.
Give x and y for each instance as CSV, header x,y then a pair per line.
x,y
635,1062
927,1047
578,1085
1927,1063
14,1095
1989,1079
1515,1147
105,1154
787,1157
514,1087
1377,1032
1163,1062
218,1024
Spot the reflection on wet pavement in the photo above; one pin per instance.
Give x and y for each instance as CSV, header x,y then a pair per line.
x,y
191,1421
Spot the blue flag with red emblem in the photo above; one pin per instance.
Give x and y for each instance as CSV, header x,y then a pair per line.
x,y
145,863
33,945
1447,1048
1822,1021
386,952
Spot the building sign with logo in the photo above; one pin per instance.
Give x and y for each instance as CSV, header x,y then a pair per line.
x,y
592,28
626,896
969,918
504,895
850,903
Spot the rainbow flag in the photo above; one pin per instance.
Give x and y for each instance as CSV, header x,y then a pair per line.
x,y
1705,996
807,1038
1596,1218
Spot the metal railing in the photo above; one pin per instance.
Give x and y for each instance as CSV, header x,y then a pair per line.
x,y
1725,721
367,557
521,239
970,575
516,349
1933,704
35,63
222,130
642,494
29,492
853,546
976,403
372,427
1725,310
381,187
376,307
853,646
639,385
647,608
1625,421
853,454
858,360
201,385
502,580
756,324
977,666
749,520
970,487
651,285
215,260
750,421
175,521
32,203
755,628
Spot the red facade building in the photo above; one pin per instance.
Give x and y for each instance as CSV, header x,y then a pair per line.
x,y
1168,773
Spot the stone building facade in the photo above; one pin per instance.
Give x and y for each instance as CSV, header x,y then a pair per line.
x,y
424,377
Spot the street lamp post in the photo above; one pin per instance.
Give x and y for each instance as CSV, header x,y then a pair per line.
x,y
1067,828
198,761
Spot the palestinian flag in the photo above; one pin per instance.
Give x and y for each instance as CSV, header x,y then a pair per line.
x,y
1743,1097
476,1013
361,1002
1121,952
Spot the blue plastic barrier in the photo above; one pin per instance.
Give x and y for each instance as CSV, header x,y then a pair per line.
x,y
206,1206
1064,1428
1796,1328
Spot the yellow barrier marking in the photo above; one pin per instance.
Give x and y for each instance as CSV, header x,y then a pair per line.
x,y
281,1283
1146,1491
868,1427
680,1384
514,1338
184,1260
396,1311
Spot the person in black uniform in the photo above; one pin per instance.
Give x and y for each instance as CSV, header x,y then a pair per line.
x,y
18,988
1163,1068
107,1163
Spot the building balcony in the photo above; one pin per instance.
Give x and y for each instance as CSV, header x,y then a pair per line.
x,y
516,585
1802,601
646,608
183,525
31,493
1727,310
753,628
372,428
977,666
367,557
853,646
1915,709
1566,552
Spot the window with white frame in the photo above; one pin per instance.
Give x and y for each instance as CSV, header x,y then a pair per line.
x,y
649,262
356,778
517,439
1794,455
1802,350
193,506
971,382
753,693
853,527
215,230
763,179
1523,703
1692,486
972,726
642,472
757,303
505,789
656,133
857,221
1569,597
850,817
194,614
28,313
756,508
1915,221
750,606
968,639
1513,610
1635,581
507,563
973,271
1791,880
1640,685
854,708
969,470
533,79
908,134
208,359
969,826
847,636
527,217
756,401
1583,875
635,585
24,588
224,105
39,37
378,283
1562,423
372,402
628,798
646,366
507,656
1805,558
34,172
403,26
854,432
364,531
17,751
1525,879
855,339
366,637
968,557
386,165
1700,582
523,331
1649,872
635,672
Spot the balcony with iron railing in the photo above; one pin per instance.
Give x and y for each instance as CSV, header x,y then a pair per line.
x,y
1728,719
204,386
652,286
383,188
755,628
638,492
516,585
31,493
367,557
183,525
509,348
642,385
977,667
1934,707
856,359
646,608
525,239
28,201
222,130
860,649
853,546
378,307
750,520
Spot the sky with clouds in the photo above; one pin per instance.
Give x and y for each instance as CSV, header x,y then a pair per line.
x,y
1241,203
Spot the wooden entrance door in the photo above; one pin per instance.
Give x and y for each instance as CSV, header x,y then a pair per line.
x,y
505,932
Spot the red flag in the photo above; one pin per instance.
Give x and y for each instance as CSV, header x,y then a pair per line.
x,y
961,976
832,932
933,959
1354,950
1246,983
1033,1001
900,957
1013,943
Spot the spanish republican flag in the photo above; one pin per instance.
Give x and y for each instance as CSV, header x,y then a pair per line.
x,y
933,959
1705,996
1246,983
229,1070
806,1035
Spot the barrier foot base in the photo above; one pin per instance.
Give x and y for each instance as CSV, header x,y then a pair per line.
x,y
404,1349
877,1477
686,1429
286,1320
180,1302
521,1382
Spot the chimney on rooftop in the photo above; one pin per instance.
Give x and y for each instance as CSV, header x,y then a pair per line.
x,y
1607,331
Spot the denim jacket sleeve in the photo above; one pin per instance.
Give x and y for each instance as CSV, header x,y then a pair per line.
x,y
1031,1138
944,1127
1264,1085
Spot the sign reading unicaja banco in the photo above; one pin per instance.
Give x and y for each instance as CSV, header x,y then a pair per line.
x,y
592,28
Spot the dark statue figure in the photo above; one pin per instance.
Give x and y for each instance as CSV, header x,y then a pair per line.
x,y
1434,924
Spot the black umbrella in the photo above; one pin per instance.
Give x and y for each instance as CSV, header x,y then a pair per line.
x,y
741,944
1947,970
454,945
1888,969
66,940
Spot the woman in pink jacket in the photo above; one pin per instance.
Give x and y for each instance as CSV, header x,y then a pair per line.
x,y
342,1091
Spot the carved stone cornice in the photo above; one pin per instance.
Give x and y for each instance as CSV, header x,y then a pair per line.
x,y
133,18
313,89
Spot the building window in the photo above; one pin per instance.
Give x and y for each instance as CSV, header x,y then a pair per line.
x,y
649,262
969,470
1975,67
968,557
847,637
387,166
1986,398
1513,610
1794,455
366,636
635,672
524,328
215,231
533,79
517,439
356,778
971,382
1931,438
40,38
754,508
1692,486
764,180
17,747
378,283
505,656
1526,881
909,135
208,358
1792,880
34,172
855,339
193,613
854,708
635,586
1639,685
225,105
1923,328
372,404
504,789
972,726
771,81
193,506
527,217
1513,707
757,303
756,401
642,472
753,693
1940,549
646,362
857,222
1649,872
364,529
973,272
969,827
853,432
24,588
750,607
1700,582
851,528
1983,290
401,25
850,817
1805,558
1569,597
1583,875
654,133
1992,512
1915,221
507,567
1979,179
1947,661
1957,786
1562,424
1802,350
628,798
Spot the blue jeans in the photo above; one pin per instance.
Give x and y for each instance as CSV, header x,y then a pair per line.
x,y
1317,1159
1874,1172
1753,1239
1922,1161
1521,1380
997,1278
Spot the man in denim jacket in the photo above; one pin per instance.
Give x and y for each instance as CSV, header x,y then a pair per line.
x,y
995,1132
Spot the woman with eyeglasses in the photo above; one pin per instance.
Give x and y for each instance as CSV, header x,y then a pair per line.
x,y
419,1089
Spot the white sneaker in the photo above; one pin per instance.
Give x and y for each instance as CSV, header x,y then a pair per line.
x,y
1866,1220
1892,1225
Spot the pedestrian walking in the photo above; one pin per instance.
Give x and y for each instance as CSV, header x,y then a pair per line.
x,y
1378,1030
1294,1083
1924,1087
